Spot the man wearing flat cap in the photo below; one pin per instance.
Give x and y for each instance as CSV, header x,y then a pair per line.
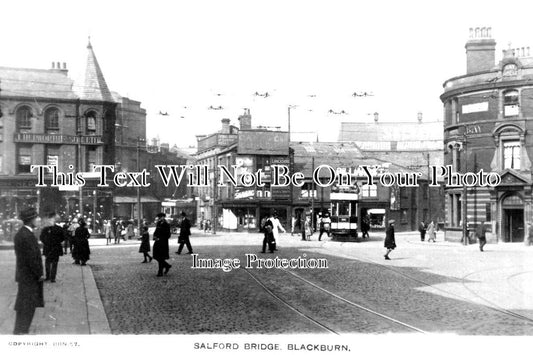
x,y
29,272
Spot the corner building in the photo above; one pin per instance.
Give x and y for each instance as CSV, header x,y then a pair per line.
x,y
488,114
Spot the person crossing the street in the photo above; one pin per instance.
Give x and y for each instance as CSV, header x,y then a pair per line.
x,y
390,242
160,248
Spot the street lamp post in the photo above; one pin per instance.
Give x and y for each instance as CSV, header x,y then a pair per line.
x,y
80,163
465,194
139,206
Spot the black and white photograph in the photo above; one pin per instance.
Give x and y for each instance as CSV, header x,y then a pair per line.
x,y
289,177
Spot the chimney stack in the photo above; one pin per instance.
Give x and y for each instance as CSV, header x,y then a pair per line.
x,y
225,125
480,50
245,120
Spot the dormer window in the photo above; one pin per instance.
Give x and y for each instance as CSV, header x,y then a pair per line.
x,y
510,70
511,103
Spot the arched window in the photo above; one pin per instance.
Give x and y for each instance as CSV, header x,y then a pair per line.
x,y
23,118
51,120
91,122
511,104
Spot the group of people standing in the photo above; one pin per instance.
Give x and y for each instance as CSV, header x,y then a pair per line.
x,y
29,273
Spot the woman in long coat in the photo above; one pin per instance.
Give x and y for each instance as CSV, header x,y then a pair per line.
x,y
390,242
145,245
432,234
81,250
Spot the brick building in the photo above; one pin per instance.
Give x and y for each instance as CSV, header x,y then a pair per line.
x,y
242,208
415,145
47,118
488,114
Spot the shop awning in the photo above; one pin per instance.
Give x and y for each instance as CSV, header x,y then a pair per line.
x,y
133,199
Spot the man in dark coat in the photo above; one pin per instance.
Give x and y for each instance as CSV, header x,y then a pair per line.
x,y
29,272
160,248
81,250
52,237
481,234
390,242
268,236
422,229
185,233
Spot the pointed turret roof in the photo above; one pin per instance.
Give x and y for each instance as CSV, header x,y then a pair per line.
x,y
93,85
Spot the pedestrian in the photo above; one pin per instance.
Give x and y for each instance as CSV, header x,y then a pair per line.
x,y
293,224
431,232
145,245
29,272
185,233
325,225
390,242
67,244
108,230
365,226
276,225
529,234
481,234
308,230
130,232
268,238
161,237
52,237
118,231
422,229
81,250
72,230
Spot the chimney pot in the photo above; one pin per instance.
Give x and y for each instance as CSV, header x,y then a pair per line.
x,y
225,125
53,65
64,65
376,117
419,116
245,120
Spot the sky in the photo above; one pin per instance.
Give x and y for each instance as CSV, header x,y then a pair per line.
x,y
181,57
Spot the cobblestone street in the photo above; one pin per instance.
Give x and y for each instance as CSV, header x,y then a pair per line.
x,y
339,299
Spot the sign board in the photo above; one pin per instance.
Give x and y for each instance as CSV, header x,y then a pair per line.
x,y
477,107
263,142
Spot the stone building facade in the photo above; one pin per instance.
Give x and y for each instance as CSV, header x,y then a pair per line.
x,y
488,114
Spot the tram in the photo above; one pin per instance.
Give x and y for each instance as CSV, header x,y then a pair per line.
x,y
344,201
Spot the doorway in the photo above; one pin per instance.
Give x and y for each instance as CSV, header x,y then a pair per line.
x,y
513,231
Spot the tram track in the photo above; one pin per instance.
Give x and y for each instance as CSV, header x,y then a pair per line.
x,y
314,317
489,304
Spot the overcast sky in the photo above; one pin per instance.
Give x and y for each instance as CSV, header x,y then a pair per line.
x,y
313,54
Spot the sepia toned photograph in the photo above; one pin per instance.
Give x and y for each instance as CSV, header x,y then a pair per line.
x,y
248,176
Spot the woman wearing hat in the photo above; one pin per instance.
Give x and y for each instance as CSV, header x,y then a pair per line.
x,y
81,250
390,243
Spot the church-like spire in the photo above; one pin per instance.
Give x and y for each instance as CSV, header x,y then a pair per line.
x,y
93,85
